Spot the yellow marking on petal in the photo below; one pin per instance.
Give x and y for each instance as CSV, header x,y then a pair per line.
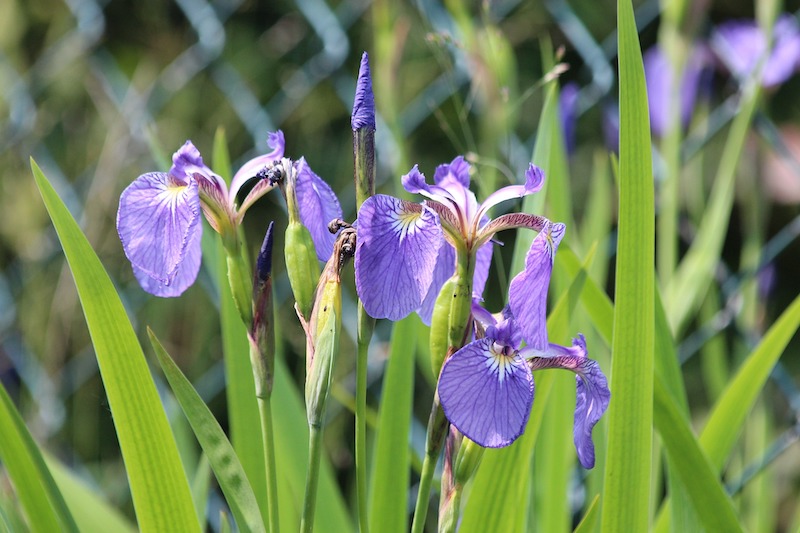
x,y
499,363
406,222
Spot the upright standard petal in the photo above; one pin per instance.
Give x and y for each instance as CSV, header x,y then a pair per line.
x,y
276,141
593,395
534,181
398,243
486,391
364,104
159,225
527,294
318,205
187,163
456,170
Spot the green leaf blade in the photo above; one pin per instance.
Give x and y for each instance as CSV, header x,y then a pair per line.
x,y
161,495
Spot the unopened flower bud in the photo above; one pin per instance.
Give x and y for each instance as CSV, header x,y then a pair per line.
x,y
262,331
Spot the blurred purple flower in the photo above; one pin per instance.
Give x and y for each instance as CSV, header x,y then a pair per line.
x,y
658,74
406,251
568,111
740,45
611,127
486,388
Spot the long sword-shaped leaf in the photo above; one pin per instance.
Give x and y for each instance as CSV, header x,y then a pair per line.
x,y
388,508
160,490
626,490
37,491
226,466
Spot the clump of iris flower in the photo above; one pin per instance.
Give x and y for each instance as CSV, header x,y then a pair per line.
x,y
741,45
486,388
407,251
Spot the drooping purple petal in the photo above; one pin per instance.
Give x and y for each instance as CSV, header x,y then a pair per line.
x,y
593,394
486,391
318,205
159,225
534,180
364,105
457,170
510,221
527,294
398,243
184,276
483,262
442,271
276,141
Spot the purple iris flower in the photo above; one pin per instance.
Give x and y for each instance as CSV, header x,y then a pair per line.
x,y
658,74
568,113
740,46
407,251
159,224
486,388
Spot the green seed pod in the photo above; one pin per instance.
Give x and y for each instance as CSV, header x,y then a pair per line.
x,y
302,265
440,324
326,325
467,461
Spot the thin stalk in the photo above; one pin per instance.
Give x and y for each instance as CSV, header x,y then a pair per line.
x,y
312,478
265,408
437,428
449,520
365,328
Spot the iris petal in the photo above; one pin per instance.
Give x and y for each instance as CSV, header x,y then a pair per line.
x,y
159,225
483,261
534,181
487,395
318,205
184,277
445,266
592,393
457,169
527,294
276,141
398,243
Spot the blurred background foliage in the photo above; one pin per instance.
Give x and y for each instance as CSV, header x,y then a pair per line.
x,y
100,91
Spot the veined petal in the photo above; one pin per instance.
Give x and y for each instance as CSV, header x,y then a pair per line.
x,y
398,243
534,180
456,170
505,332
414,182
318,205
483,261
486,391
187,163
364,104
442,271
276,141
593,395
158,223
509,221
184,276
527,294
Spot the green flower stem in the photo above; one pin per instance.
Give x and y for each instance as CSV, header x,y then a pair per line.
x,y
366,325
437,428
312,478
461,308
265,409
467,461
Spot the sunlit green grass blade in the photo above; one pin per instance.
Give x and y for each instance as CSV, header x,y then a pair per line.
x,y
226,466
708,496
589,520
389,503
626,490
201,484
158,483
695,272
91,512
728,414
37,491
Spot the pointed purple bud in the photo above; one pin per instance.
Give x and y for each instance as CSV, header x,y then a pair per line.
x,y
398,243
527,294
486,391
593,394
159,224
264,261
364,105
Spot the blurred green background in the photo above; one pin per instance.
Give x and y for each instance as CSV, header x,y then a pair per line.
x,y
100,91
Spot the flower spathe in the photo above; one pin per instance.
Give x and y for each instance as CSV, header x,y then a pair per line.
x,y
406,251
